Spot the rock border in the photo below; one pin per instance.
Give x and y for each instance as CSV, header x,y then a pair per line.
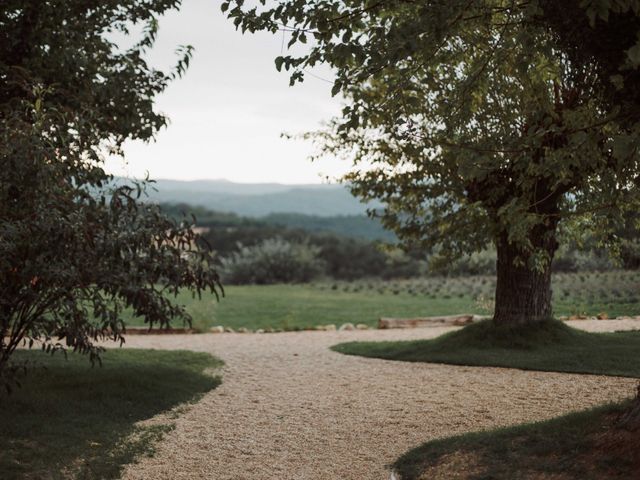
x,y
384,323
400,323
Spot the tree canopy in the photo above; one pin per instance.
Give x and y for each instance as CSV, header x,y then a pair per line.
x,y
75,250
475,121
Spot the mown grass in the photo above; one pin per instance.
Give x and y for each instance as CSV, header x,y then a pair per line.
x,y
300,306
291,307
551,346
69,420
584,445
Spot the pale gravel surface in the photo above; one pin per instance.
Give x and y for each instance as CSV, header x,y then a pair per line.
x,y
289,408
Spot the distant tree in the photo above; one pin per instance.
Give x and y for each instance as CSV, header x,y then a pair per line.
x,y
74,252
350,259
475,122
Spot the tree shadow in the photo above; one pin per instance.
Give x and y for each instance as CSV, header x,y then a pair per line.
x,y
584,445
71,420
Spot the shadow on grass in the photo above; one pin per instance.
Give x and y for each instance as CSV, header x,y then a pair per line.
x,y
551,346
72,421
581,445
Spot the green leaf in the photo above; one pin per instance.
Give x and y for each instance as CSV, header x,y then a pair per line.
x,y
279,61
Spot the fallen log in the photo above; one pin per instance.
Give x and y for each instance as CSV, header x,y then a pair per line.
x,y
464,319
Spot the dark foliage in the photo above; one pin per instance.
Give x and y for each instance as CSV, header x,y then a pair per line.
x,y
74,252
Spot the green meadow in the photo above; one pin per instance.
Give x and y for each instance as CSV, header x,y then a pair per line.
x,y
290,307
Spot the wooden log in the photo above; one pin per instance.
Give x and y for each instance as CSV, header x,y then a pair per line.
x,y
464,319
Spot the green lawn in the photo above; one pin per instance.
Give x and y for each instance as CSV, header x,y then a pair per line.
x,y
297,306
553,346
584,445
300,306
72,421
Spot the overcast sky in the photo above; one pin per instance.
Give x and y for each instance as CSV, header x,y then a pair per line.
x,y
228,112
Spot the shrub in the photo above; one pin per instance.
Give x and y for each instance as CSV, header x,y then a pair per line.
x,y
272,261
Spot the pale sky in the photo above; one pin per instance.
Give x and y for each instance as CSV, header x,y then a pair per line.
x,y
228,112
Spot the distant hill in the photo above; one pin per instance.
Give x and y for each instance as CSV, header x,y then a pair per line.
x,y
259,200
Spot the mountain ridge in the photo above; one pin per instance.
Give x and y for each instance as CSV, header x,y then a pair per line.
x,y
258,199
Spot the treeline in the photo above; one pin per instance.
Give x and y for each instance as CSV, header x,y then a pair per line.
x,y
240,242
351,226
299,248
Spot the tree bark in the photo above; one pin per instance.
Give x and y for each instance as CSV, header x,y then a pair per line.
x,y
523,295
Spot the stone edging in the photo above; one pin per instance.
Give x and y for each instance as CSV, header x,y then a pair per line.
x,y
383,323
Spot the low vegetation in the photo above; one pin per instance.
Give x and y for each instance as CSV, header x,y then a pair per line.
x,y
584,445
549,346
69,420
615,293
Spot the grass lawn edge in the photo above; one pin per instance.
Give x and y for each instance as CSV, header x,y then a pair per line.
x,y
553,347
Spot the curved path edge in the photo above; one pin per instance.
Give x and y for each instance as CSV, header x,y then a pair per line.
x,y
290,408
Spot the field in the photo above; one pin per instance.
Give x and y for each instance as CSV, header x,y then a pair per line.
x,y
290,307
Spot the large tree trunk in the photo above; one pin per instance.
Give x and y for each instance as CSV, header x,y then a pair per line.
x,y
523,295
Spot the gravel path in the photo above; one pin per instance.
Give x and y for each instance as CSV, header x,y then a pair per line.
x,y
289,408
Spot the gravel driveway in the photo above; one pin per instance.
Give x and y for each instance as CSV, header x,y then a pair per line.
x,y
289,408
